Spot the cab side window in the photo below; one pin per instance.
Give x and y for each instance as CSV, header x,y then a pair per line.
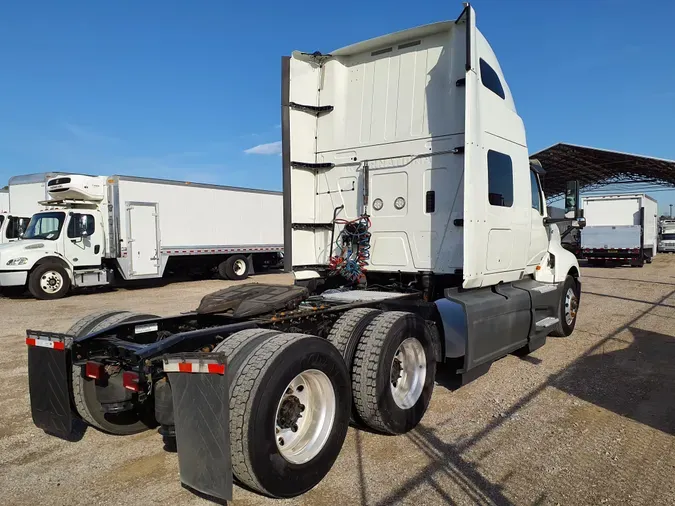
x,y
500,179
16,226
79,223
536,193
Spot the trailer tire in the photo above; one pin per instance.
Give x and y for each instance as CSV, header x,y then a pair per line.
x,y
394,343
49,281
569,306
266,405
84,390
235,268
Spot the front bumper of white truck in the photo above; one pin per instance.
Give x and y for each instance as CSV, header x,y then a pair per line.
x,y
13,278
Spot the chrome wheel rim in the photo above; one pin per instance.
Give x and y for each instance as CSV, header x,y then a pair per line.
x,y
305,416
408,373
571,306
239,267
51,281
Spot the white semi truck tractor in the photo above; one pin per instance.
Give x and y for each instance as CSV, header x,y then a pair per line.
x,y
416,229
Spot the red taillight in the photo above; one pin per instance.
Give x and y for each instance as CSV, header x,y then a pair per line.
x,y
130,381
30,341
93,370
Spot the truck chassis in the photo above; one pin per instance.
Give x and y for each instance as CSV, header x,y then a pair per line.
x,y
123,373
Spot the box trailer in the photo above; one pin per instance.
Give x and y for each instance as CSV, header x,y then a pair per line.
x,y
19,201
100,230
417,233
622,229
4,200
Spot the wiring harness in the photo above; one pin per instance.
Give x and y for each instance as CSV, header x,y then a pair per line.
x,y
353,246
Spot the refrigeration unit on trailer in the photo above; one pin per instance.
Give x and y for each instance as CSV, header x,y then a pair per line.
x,y
19,202
417,232
99,230
621,229
667,236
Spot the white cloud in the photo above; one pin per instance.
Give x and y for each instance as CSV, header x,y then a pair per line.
x,y
272,148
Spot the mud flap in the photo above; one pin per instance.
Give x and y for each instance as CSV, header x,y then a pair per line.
x,y
49,382
201,404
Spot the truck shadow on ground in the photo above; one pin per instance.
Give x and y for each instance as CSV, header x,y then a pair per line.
x,y
635,382
445,463
647,282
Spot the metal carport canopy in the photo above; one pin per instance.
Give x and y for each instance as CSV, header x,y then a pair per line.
x,y
594,168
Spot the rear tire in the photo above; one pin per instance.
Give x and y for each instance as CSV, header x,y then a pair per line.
x,y
84,389
235,268
347,331
393,372
49,281
239,346
345,335
274,451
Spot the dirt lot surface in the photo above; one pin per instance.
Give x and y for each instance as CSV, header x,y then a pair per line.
x,y
584,420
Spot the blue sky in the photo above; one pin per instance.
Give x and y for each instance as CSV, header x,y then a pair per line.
x,y
183,89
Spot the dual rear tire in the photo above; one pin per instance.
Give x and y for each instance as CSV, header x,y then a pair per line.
x,y
391,357
235,268
289,409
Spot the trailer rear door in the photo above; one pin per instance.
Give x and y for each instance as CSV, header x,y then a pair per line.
x,y
143,234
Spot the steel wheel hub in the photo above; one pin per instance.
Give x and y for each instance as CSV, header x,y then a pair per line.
x,y
408,373
305,416
239,267
51,282
571,306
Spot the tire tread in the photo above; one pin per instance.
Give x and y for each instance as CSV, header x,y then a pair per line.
x,y
241,403
365,369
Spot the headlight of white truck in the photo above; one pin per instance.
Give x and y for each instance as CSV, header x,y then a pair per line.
x,y
18,261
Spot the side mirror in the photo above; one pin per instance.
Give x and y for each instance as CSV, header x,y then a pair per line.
x,y
572,200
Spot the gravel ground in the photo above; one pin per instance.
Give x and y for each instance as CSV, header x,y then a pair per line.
x,y
584,420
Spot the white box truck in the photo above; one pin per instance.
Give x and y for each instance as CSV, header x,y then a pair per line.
x,y
4,200
622,229
19,202
97,230
667,236
419,235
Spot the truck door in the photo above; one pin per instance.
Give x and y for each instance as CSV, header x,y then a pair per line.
x,y
84,239
538,234
143,238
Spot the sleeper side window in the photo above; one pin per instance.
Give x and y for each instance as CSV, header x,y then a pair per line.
x,y
490,79
500,179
